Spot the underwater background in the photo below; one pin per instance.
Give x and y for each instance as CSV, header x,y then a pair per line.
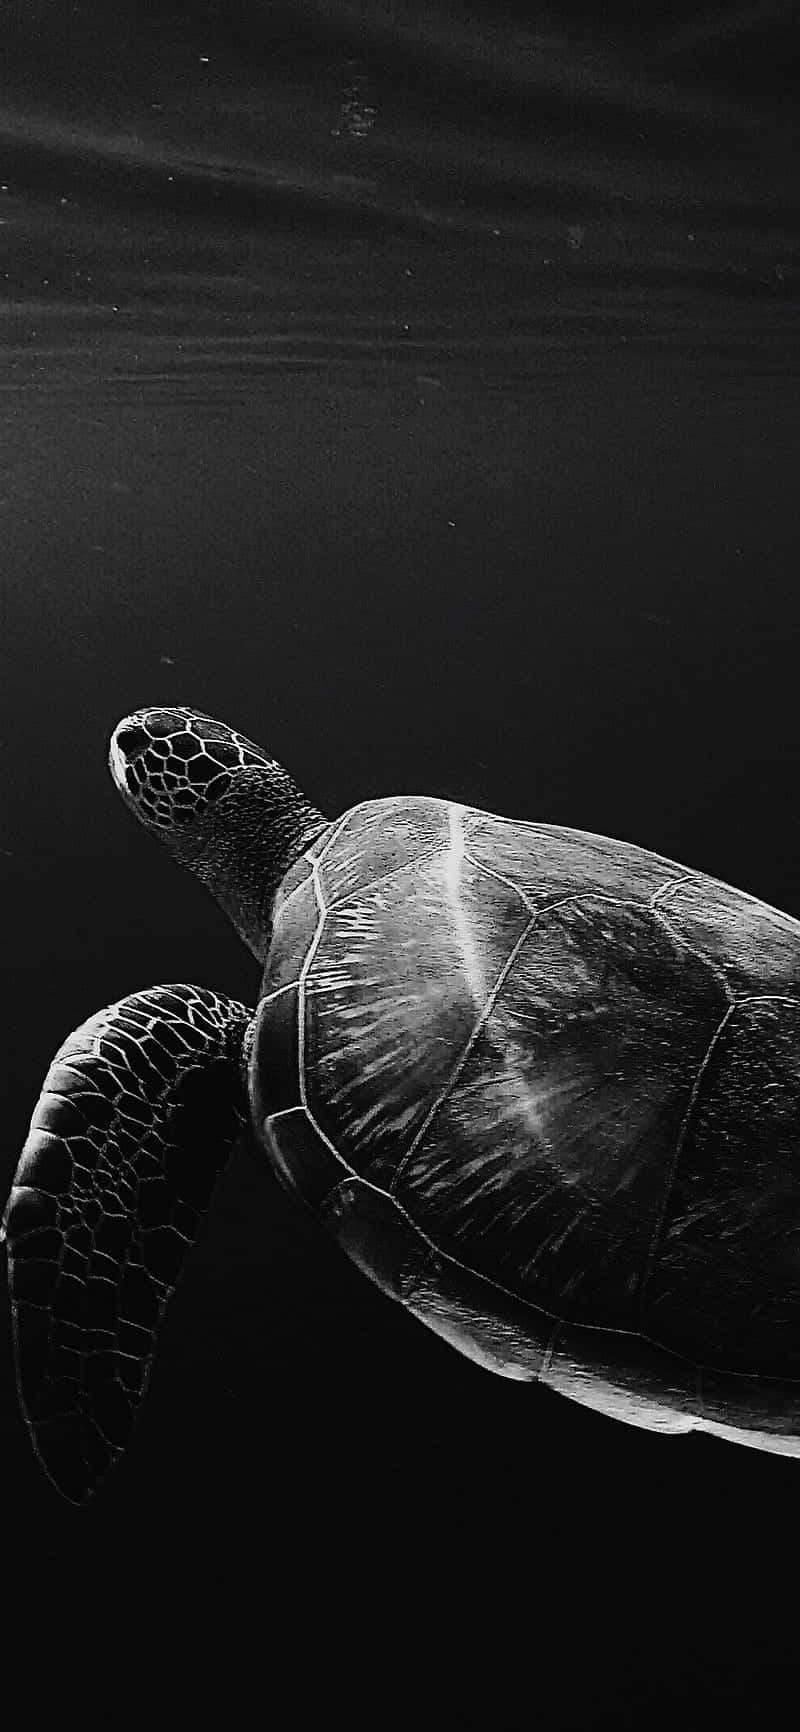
x,y
414,387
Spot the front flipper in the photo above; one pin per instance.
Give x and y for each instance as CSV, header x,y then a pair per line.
x,y
138,1115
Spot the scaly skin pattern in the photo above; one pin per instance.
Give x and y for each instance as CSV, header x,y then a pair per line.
x,y
138,1114
172,764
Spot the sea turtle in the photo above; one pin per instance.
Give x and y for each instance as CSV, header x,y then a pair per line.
x,y
543,1088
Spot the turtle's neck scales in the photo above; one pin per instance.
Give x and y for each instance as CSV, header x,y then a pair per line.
x,y
242,846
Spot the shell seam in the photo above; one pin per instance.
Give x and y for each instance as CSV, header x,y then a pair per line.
x,y
464,1055
679,1146
530,1304
363,889
694,950
671,885
481,1021
480,866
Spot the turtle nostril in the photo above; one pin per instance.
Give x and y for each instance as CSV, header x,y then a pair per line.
x,y
131,742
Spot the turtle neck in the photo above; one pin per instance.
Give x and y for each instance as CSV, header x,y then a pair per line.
x,y
242,846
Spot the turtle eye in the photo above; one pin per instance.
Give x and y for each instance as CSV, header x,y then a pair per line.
x,y
131,742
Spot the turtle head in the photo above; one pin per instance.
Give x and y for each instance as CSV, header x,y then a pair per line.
x,y
219,803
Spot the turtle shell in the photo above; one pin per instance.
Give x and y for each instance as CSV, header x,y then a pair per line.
x,y
544,1087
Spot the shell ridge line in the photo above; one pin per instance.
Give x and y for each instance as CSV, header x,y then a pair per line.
x,y
490,872
319,896
537,914
337,830
735,890
324,1138
452,876
695,951
682,1135
382,877
481,1019
770,998
270,997
619,842
671,885
298,889
301,984
477,814
454,855
288,1112
530,1304
448,1256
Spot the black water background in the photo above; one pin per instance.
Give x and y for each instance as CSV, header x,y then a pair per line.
x,y
419,393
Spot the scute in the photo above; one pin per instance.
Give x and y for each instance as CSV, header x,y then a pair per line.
x,y
544,862
377,839
725,1262
547,1164
508,1032
754,945
399,974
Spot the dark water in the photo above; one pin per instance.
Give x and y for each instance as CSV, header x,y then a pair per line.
x,y
416,389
